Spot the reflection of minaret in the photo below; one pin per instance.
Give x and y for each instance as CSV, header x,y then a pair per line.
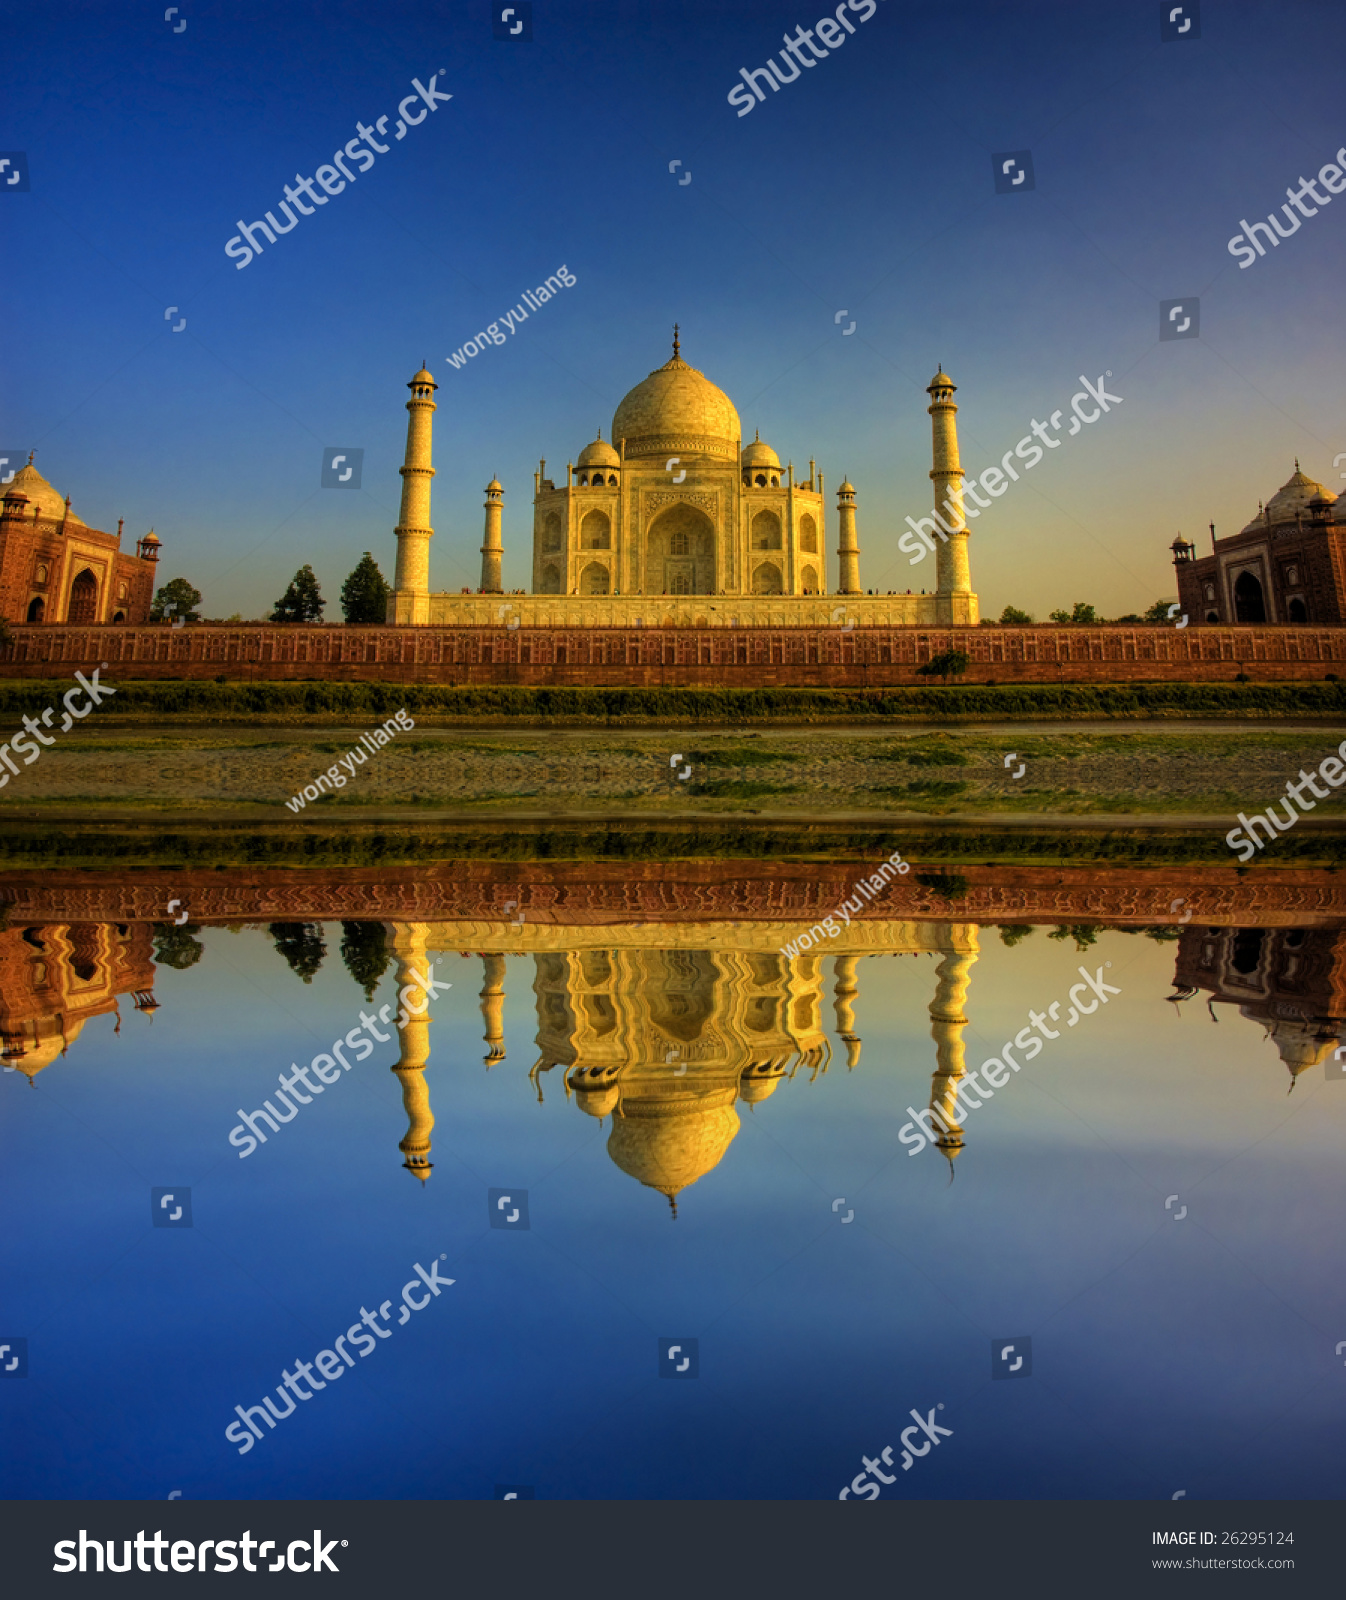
x,y
413,1036
493,1008
844,997
947,1021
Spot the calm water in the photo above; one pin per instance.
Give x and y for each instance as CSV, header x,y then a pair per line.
x,y
708,1139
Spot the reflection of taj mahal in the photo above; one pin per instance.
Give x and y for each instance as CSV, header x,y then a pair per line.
x,y
676,505
666,1032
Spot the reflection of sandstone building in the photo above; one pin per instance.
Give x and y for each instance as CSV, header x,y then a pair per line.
x,y
53,978
1288,564
55,569
670,1041
675,506
1291,980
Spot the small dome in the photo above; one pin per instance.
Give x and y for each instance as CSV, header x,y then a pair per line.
x,y
29,481
423,376
495,487
1295,494
941,380
849,488
599,454
150,538
758,454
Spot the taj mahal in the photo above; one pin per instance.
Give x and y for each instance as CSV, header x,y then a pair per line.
x,y
675,520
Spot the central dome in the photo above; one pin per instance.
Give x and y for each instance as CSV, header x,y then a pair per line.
x,y
677,407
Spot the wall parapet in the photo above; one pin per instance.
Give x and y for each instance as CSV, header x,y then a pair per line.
x,y
800,656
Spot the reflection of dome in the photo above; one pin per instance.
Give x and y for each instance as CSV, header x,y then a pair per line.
x,y
669,1143
759,1081
677,400
42,1051
599,454
1298,1043
29,481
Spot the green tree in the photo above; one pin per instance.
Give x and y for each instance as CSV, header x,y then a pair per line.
x,y
1083,933
364,949
1082,614
947,664
1012,617
364,595
1158,612
302,601
175,947
179,594
1012,932
301,943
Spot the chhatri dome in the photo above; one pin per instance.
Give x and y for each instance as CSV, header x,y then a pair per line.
x,y
30,482
677,403
599,454
758,454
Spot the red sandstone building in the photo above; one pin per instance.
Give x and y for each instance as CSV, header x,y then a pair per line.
x,y
1287,565
54,568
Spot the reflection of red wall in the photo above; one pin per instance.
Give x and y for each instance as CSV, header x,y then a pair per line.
x,y
654,657
593,893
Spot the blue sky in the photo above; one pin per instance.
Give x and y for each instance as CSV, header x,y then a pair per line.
x,y
864,186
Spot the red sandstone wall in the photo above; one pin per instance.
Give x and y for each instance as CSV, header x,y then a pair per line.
x,y
655,657
596,893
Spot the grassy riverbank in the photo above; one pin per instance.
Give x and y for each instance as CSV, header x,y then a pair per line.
x,y
326,701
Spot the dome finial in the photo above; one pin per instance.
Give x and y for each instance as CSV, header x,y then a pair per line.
x,y
675,341
31,454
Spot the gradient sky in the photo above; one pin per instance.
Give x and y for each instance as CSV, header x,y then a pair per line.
x,y
866,185
1192,1353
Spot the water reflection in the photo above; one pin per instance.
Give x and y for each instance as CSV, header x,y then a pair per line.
x,y
658,1034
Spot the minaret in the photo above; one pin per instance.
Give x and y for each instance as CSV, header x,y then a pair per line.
x,y
952,574
493,549
411,587
947,1021
493,1007
848,551
413,1036
844,996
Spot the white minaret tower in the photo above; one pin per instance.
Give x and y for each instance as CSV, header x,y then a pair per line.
x,y
410,600
954,601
